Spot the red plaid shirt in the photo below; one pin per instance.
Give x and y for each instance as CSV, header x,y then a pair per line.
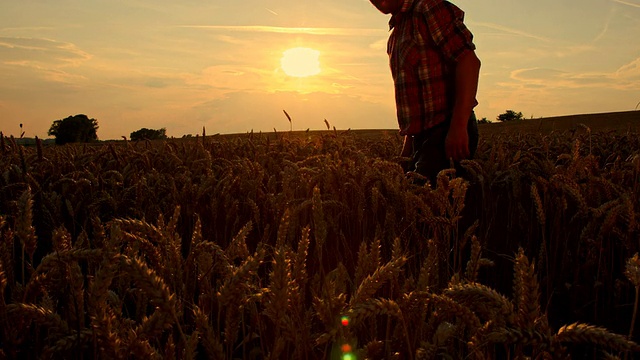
x,y
428,38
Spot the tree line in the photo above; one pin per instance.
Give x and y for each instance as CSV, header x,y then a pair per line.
x,y
82,129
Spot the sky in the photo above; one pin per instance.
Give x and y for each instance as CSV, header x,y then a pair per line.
x,y
188,64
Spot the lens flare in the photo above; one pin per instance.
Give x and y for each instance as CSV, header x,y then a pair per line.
x,y
348,356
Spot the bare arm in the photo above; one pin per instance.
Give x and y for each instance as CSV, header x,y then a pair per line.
x,y
407,152
466,81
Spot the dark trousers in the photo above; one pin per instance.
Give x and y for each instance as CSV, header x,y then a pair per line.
x,y
429,156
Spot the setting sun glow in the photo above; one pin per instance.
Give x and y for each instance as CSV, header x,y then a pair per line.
x,y
300,62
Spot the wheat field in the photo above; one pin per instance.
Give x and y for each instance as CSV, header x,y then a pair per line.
x,y
319,247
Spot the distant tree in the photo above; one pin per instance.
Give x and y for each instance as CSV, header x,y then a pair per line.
x,y
148,134
73,129
484,121
510,115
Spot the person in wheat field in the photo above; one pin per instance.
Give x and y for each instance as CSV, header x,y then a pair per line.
x,y
435,72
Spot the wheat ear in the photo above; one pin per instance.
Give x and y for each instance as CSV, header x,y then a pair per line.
x,y
210,339
52,260
371,307
319,223
526,292
278,293
373,282
25,231
362,262
471,273
428,277
587,334
300,274
238,246
3,285
487,303
38,314
74,341
157,290
632,271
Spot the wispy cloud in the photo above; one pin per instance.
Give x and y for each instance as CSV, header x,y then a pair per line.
x,y
271,11
46,59
292,30
26,28
635,5
510,31
630,70
605,28
624,78
49,73
40,50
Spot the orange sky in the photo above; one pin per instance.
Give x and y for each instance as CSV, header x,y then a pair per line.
x,y
188,64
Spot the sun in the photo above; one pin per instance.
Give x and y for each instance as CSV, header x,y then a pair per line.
x,y
300,62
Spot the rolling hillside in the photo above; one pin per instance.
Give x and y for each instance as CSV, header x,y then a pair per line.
x,y
619,121
613,121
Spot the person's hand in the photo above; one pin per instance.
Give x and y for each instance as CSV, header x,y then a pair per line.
x,y
456,143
